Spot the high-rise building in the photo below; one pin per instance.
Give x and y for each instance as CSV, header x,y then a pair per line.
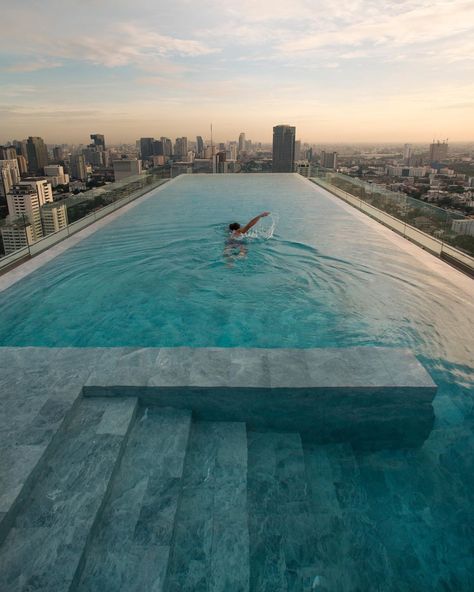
x,y
158,148
199,147
167,146
9,175
7,152
16,234
94,156
98,140
438,152
298,150
58,153
56,175
242,143
181,147
146,148
233,151
407,152
22,164
37,155
329,160
25,201
283,149
53,217
126,168
78,167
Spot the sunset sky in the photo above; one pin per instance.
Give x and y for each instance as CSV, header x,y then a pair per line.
x,y
359,70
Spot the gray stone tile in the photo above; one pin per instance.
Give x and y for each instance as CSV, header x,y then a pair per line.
x,y
61,508
288,368
135,530
210,367
16,464
172,368
117,417
249,368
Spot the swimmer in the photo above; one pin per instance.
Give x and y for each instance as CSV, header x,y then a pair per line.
x,y
234,248
237,230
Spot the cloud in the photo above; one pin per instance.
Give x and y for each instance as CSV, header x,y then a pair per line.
x,y
33,66
420,25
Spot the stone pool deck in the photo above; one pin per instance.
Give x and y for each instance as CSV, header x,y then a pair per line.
x,y
77,427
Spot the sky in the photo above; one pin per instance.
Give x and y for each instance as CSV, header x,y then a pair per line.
x,y
346,71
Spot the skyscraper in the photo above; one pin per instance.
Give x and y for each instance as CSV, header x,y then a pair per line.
x,y
199,147
181,147
438,152
242,143
78,167
329,160
146,147
283,149
9,175
37,155
99,140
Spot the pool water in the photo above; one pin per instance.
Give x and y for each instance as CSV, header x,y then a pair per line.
x,y
163,274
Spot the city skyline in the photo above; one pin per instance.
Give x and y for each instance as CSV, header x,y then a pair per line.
x,y
359,71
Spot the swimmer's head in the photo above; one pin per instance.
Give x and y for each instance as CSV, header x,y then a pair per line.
x,y
234,226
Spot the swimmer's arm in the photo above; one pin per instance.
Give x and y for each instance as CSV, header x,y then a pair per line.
x,y
252,222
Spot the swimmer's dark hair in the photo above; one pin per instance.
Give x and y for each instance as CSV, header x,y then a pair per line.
x,y
234,226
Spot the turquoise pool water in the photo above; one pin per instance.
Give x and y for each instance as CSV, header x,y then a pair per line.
x,y
160,275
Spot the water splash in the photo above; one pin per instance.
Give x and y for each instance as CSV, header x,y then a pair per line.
x,y
265,228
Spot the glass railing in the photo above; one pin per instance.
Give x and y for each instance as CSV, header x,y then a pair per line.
x,y
433,228
85,208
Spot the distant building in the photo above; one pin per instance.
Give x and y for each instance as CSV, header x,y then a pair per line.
x,y
407,153
303,168
126,168
16,235
329,160
242,143
167,146
56,175
8,153
219,162
22,164
78,167
58,153
463,226
407,171
438,152
98,140
283,149
146,148
9,175
24,204
53,217
199,147
94,156
298,150
158,148
37,155
181,148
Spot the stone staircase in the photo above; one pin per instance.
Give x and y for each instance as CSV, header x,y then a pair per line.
x,y
134,498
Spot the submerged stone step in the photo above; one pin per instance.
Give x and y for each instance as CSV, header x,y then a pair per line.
x,y
43,549
130,548
372,397
281,525
350,553
211,545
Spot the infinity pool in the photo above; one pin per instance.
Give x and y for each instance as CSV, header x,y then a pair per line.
x,y
315,274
